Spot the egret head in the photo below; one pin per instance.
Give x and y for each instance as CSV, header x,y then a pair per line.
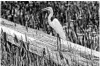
x,y
48,9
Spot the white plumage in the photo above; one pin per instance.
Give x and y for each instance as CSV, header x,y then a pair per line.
x,y
55,24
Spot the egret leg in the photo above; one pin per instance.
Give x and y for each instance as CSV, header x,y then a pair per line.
x,y
58,43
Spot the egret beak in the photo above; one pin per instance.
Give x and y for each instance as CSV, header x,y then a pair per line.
x,y
44,9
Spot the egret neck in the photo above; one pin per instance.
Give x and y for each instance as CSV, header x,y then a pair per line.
x,y
49,17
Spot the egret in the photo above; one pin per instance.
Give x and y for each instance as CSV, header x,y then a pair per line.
x,y
55,24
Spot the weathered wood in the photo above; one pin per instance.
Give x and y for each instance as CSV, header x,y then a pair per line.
x,y
38,41
38,50
50,40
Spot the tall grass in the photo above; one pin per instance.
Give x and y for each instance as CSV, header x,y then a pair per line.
x,y
13,55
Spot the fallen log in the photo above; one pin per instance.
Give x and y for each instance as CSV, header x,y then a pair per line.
x,y
81,48
12,30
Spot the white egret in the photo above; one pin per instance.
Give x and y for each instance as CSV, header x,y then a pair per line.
x,y
55,24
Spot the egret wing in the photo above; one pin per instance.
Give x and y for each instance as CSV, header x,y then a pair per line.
x,y
55,24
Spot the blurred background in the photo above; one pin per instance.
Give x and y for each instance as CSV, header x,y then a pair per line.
x,y
81,18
